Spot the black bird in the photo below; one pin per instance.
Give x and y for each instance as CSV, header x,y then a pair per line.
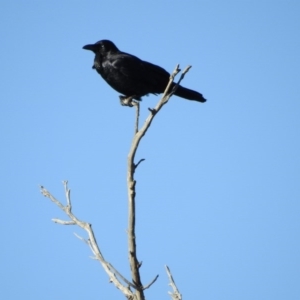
x,y
132,76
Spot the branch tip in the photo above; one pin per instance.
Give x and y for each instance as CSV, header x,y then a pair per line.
x,y
175,294
186,69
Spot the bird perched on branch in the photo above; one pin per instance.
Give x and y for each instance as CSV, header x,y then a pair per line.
x,y
131,76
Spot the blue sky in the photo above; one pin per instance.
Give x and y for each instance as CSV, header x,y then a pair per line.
x,y
219,193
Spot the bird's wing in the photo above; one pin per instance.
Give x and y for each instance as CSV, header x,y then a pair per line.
x,y
141,71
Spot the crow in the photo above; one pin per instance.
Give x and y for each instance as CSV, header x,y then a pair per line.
x,y
131,76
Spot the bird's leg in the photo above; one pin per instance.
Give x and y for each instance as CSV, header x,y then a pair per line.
x,y
128,101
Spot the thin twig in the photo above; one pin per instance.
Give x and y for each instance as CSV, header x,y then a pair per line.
x,y
81,238
68,193
148,285
141,160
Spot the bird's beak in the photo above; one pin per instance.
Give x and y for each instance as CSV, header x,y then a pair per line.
x,y
90,47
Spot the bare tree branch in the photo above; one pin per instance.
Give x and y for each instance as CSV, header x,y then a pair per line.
x,y
175,295
137,117
109,269
131,183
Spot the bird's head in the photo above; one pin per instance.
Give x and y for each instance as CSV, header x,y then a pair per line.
x,y
102,47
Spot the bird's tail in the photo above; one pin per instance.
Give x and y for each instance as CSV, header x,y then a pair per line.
x,y
188,94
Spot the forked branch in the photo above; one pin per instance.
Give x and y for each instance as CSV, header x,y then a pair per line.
x,y
113,274
131,183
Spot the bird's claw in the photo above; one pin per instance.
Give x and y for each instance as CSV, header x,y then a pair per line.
x,y
128,101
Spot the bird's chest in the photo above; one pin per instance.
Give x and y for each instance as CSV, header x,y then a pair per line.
x,y
110,74
98,64
114,75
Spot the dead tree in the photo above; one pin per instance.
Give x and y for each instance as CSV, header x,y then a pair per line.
x,y
133,289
